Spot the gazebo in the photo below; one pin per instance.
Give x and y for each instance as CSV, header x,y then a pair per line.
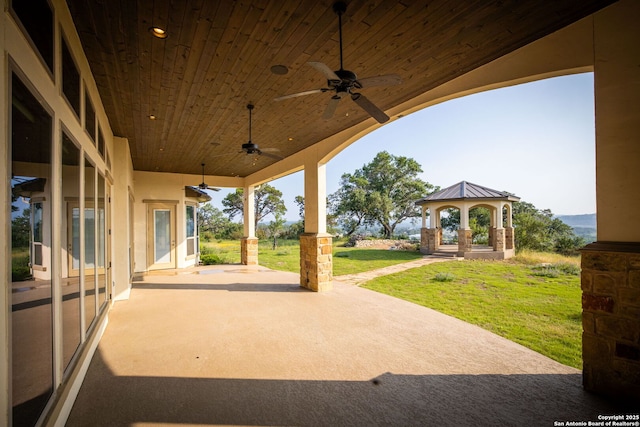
x,y
465,196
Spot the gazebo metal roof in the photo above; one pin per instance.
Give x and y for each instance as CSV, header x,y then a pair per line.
x,y
466,190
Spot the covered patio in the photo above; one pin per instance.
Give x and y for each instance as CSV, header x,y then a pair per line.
x,y
245,345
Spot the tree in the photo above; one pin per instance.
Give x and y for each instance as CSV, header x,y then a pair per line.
x,y
212,220
536,229
276,228
479,223
268,200
382,192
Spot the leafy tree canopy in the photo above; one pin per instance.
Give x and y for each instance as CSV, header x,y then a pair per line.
x,y
383,192
268,200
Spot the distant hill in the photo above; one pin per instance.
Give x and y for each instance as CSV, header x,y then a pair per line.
x,y
580,221
583,225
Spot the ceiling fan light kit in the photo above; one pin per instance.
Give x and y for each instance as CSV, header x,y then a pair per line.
x,y
345,82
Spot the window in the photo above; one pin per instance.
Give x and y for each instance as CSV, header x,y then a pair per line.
x,y
89,117
90,282
70,249
70,79
30,240
192,230
36,18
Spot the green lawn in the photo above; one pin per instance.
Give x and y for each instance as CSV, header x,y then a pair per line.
x,y
286,256
514,300
539,308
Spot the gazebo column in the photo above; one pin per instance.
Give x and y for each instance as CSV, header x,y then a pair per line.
x,y
465,236
509,236
249,243
316,264
498,232
429,236
611,266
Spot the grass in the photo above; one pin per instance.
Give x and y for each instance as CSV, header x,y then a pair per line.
x,y
286,257
542,312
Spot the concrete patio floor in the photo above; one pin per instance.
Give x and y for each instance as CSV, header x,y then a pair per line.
x,y
238,345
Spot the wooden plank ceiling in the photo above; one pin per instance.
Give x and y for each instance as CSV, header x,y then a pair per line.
x,y
218,55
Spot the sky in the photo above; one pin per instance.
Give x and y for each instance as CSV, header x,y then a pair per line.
x,y
535,140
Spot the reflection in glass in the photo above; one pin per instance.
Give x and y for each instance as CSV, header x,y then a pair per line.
x,y
36,17
101,242
31,305
162,235
70,78
70,285
89,243
191,229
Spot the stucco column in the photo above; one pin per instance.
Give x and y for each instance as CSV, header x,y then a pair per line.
x,y
465,239
316,263
611,266
249,243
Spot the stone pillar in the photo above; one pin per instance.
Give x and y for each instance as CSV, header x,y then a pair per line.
x,y
249,251
509,239
498,239
428,240
465,241
611,266
316,264
611,309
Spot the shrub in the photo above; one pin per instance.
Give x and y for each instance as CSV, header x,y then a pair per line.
x,y
444,277
210,259
567,268
545,270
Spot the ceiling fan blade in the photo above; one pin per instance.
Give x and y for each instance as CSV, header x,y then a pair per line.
x,y
331,107
295,95
324,69
388,80
370,107
270,150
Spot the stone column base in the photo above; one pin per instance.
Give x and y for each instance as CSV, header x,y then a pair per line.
x,y
249,251
316,262
465,241
498,239
509,240
611,319
428,240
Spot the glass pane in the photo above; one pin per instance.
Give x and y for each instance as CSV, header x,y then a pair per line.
x,y
31,305
70,285
89,117
37,223
162,235
36,17
89,243
190,214
191,247
70,79
75,238
101,242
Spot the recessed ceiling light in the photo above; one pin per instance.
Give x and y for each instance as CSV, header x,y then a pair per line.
x,y
161,149
279,69
290,138
152,117
158,32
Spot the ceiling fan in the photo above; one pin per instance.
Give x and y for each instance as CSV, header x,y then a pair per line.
x,y
252,149
203,185
344,82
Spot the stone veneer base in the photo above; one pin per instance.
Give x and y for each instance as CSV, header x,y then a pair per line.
x,y
316,262
610,281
